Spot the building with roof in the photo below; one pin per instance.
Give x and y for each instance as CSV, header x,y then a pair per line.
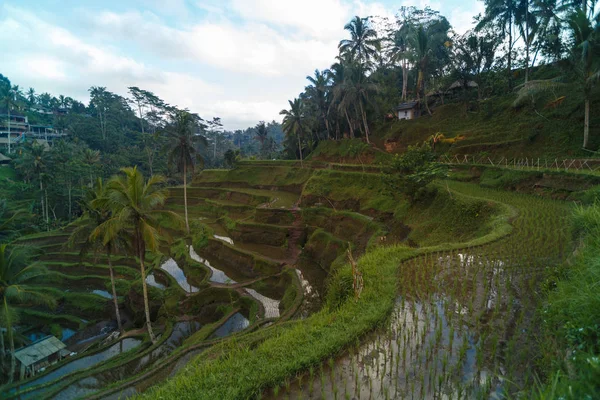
x,y
40,354
4,160
409,110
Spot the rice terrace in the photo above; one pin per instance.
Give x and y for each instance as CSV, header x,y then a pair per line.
x,y
420,222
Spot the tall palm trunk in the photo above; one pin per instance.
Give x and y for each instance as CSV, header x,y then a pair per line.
x,y
8,124
364,118
586,124
349,123
11,340
510,44
114,291
404,80
526,41
2,349
141,251
42,198
187,224
300,151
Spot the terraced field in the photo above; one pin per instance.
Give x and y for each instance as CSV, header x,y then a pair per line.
x,y
264,275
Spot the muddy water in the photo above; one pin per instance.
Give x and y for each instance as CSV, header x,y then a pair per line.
x,y
171,267
217,275
87,362
95,382
422,354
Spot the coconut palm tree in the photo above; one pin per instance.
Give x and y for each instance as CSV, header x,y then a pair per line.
x,y
586,51
95,213
31,97
357,91
363,44
262,133
91,158
183,150
9,100
400,51
18,288
318,92
293,123
338,73
136,213
502,14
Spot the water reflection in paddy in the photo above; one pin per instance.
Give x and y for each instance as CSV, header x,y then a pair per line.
x,y
151,280
86,386
217,275
88,361
236,323
171,267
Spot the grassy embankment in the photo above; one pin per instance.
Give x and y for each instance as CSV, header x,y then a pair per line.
x,y
571,317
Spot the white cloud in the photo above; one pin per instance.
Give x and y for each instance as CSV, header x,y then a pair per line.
x,y
237,59
321,19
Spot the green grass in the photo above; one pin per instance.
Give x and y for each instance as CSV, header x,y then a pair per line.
x,y
571,315
493,127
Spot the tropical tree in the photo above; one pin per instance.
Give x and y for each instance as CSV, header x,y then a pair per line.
x,y
91,158
183,151
400,52
137,212
262,133
31,98
586,52
318,92
87,237
293,123
9,100
502,14
363,44
19,278
357,90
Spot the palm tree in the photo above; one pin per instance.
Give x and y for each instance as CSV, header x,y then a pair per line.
x,y
9,99
91,158
293,123
357,90
262,133
422,53
183,150
363,44
136,211
400,51
318,91
338,73
95,213
586,33
31,98
34,165
502,13
18,278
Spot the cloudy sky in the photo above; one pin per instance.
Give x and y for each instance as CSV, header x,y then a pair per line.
x,y
240,60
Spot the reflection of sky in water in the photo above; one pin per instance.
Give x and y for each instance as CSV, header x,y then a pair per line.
x,y
102,293
224,239
171,267
236,323
151,280
217,276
